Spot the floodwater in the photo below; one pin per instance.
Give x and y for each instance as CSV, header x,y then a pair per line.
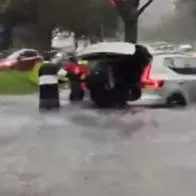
x,y
89,152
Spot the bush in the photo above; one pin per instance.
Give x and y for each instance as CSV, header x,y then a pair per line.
x,y
16,82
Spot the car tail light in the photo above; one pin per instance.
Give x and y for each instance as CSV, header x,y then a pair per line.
x,y
148,82
10,62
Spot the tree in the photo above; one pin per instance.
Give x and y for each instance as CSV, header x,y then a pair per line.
x,y
86,17
102,20
184,20
44,16
110,20
129,11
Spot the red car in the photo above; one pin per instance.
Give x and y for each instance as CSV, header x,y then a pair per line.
x,y
23,59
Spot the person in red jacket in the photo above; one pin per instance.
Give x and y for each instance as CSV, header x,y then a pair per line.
x,y
76,74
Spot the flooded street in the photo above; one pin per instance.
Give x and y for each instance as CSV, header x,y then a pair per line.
x,y
88,152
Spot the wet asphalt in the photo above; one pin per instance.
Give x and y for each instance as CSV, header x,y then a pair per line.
x,y
83,151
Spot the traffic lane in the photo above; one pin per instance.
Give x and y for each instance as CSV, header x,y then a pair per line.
x,y
92,152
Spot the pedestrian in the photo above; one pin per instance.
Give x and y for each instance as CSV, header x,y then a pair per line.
x,y
48,87
76,74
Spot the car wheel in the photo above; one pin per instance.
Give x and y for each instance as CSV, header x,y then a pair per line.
x,y
135,93
101,99
176,100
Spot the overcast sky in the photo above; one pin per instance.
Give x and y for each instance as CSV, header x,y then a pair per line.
x,y
156,10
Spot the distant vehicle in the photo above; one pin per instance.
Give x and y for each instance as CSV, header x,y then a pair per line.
x,y
158,44
185,48
60,59
167,48
22,59
161,47
48,55
169,80
191,53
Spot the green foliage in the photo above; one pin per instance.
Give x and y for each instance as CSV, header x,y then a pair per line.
x,y
129,11
110,20
14,82
81,16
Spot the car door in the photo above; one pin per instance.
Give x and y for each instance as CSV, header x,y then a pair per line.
x,y
27,59
185,69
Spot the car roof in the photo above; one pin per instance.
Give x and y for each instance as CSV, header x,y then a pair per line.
x,y
163,55
27,49
19,51
158,59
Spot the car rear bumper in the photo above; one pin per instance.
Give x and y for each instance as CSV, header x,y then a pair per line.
x,y
153,100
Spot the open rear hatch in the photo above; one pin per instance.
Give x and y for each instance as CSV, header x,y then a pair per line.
x,y
124,66
119,48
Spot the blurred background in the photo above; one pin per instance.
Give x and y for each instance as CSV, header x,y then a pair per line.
x,y
43,24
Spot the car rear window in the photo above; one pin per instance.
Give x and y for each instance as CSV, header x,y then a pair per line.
x,y
29,54
181,65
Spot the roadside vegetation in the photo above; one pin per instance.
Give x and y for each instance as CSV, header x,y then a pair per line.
x,y
16,83
91,19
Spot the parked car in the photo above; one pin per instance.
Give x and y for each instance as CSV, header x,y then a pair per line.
x,y
169,80
48,55
23,59
185,48
115,69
